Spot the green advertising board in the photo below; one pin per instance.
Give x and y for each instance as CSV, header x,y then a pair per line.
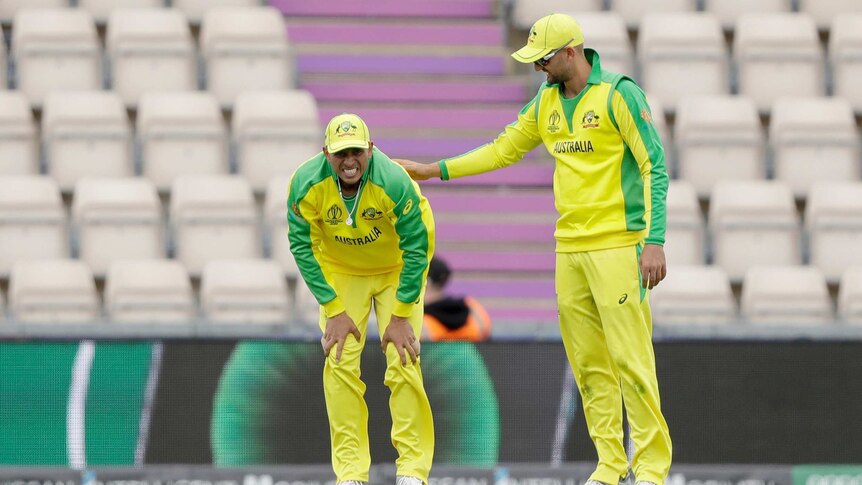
x,y
827,475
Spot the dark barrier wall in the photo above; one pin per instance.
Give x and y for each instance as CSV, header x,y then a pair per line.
x,y
249,402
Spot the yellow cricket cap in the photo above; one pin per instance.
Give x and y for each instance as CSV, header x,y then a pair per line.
x,y
548,34
346,130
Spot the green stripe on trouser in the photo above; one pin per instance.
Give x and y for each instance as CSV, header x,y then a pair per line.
x,y
34,395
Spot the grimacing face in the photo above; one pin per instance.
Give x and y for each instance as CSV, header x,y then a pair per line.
x,y
349,164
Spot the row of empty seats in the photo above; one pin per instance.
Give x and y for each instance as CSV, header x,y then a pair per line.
x,y
525,12
145,291
773,55
751,223
102,9
241,48
782,295
210,217
809,140
88,133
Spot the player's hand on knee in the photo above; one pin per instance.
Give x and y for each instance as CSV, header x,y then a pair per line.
x,y
400,334
337,330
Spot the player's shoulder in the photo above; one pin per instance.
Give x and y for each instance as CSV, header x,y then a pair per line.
x,y
308,174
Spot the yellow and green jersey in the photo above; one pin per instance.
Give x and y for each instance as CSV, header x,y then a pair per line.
x,y
610,180
391,229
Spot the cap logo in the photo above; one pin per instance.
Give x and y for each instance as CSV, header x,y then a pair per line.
x,y
532,36
346,128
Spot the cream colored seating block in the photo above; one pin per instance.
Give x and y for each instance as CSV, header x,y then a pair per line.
x,y
693,294
729,11
102,9
785,295
150,49
55,49
633,11
275,213
19,137
833,219
850,296
32,221
274,132
684,238
845,58
53,291
8,8
245,291
117,219
157,291
86,133
196,9
526,12
213,217
606,33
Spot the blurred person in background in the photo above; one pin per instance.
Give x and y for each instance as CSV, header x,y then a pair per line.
x,y
451,317
361,233
610,186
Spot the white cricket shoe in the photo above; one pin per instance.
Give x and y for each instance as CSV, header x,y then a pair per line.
x,y
408,481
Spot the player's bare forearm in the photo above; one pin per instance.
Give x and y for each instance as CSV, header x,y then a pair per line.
x,y
420,171
653,265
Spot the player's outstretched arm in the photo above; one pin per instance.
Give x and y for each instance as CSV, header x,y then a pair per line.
x,y
420,171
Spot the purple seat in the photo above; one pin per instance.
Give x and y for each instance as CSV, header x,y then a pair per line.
x,y
496,288
524,174
482,90
418,63
490,260
467,33
387,8
467,202
491,118
448,232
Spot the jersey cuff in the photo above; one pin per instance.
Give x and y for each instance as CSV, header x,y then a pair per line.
x,y
444,171
333,307
656,241
402,309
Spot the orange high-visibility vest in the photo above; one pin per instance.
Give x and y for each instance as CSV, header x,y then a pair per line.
x,y
475,329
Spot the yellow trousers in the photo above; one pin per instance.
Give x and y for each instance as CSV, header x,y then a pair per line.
x,y
606,328
412,424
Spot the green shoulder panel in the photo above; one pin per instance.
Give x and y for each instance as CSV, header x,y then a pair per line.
x,y
413,235
309,174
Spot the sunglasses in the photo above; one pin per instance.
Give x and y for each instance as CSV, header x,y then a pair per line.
x,y
542,62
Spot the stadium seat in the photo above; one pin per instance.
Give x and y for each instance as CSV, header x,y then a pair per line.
x,y
824,12
117,219
845,58
693,294
244,291
728,11
196,9
753,222
275,215
213,217
101,10
850,296
682,53
833,219
55,49
3,68
659,119
53,291
245,49
32,221
633,11
777,55
181,133
526,12
8,8
86,133
684,238
718,138
149,291
813,139
150,49
274,132
19,144
307,308
606,32
785,295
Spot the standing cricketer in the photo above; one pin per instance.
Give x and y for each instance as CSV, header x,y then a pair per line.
x,y
361,233
610,184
